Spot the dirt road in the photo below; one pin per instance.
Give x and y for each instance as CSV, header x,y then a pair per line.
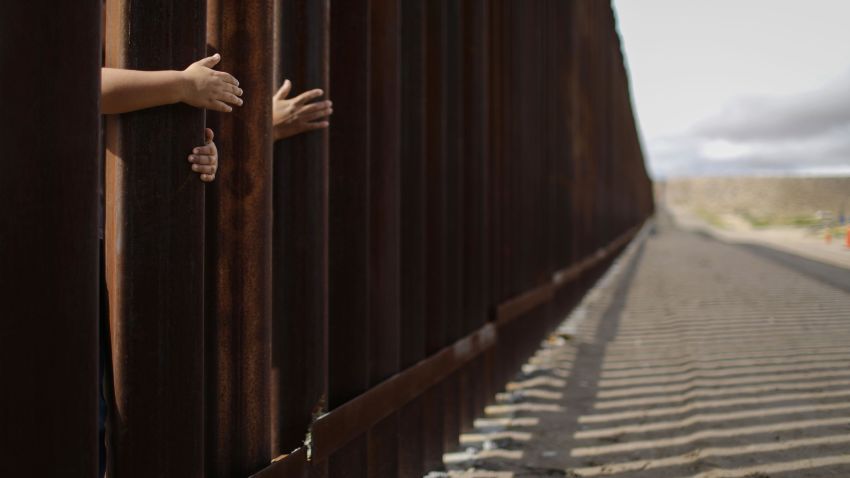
x,y
691,358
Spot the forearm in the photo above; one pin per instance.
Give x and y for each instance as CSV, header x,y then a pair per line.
x,y
131,90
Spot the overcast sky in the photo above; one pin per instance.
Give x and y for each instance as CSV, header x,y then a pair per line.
x,y
724,87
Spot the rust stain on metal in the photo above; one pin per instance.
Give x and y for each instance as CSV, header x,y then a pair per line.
x,y
239,228
155,259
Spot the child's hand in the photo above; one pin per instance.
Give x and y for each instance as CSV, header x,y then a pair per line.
x,y
294,116
208,88
204,158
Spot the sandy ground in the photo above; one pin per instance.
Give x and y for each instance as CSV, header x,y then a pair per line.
x,y
691,357
794,240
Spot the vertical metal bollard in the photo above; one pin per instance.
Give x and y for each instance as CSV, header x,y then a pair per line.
x,y
475,148
155,251
497,86
48,238
452,81
348,221
239,253
300,233
413,204
384,241
435,221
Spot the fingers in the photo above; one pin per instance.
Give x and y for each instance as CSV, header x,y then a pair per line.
x,y
314,115
230,98
231,88
217,105
314,111
204,168
208,150
318,106
227,77
307,96
204,160
208,135
209,61
284,90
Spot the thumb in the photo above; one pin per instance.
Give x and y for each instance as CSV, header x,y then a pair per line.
x,y
284,90
209,61
208,134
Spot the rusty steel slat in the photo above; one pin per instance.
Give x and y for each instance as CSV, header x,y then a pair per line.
x,y
455,160
474,63
155,237
511,200
454,321
435,221
500,246
543,98
239,253
495,181
574,87
577,127
412,181
384,241
528,74
606,26
592,159
413,303
349,205
349,219
300,235
48,238
435,166
555,23
384,192
600,128
560,122
475,148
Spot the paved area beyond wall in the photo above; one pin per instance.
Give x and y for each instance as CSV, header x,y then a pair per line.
x,y
692,357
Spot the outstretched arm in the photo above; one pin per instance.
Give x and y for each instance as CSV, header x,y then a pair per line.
x,y
291,116
198,85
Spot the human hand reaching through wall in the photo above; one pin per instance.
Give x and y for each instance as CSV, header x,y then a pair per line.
x,y
123,91
291,116
204,158
208,88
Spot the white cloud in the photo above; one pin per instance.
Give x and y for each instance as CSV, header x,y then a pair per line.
x,y
740,86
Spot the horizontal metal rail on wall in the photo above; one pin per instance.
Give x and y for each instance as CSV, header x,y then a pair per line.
x,y
332,431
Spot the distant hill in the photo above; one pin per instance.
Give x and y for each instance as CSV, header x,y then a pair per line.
x,y
775,200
